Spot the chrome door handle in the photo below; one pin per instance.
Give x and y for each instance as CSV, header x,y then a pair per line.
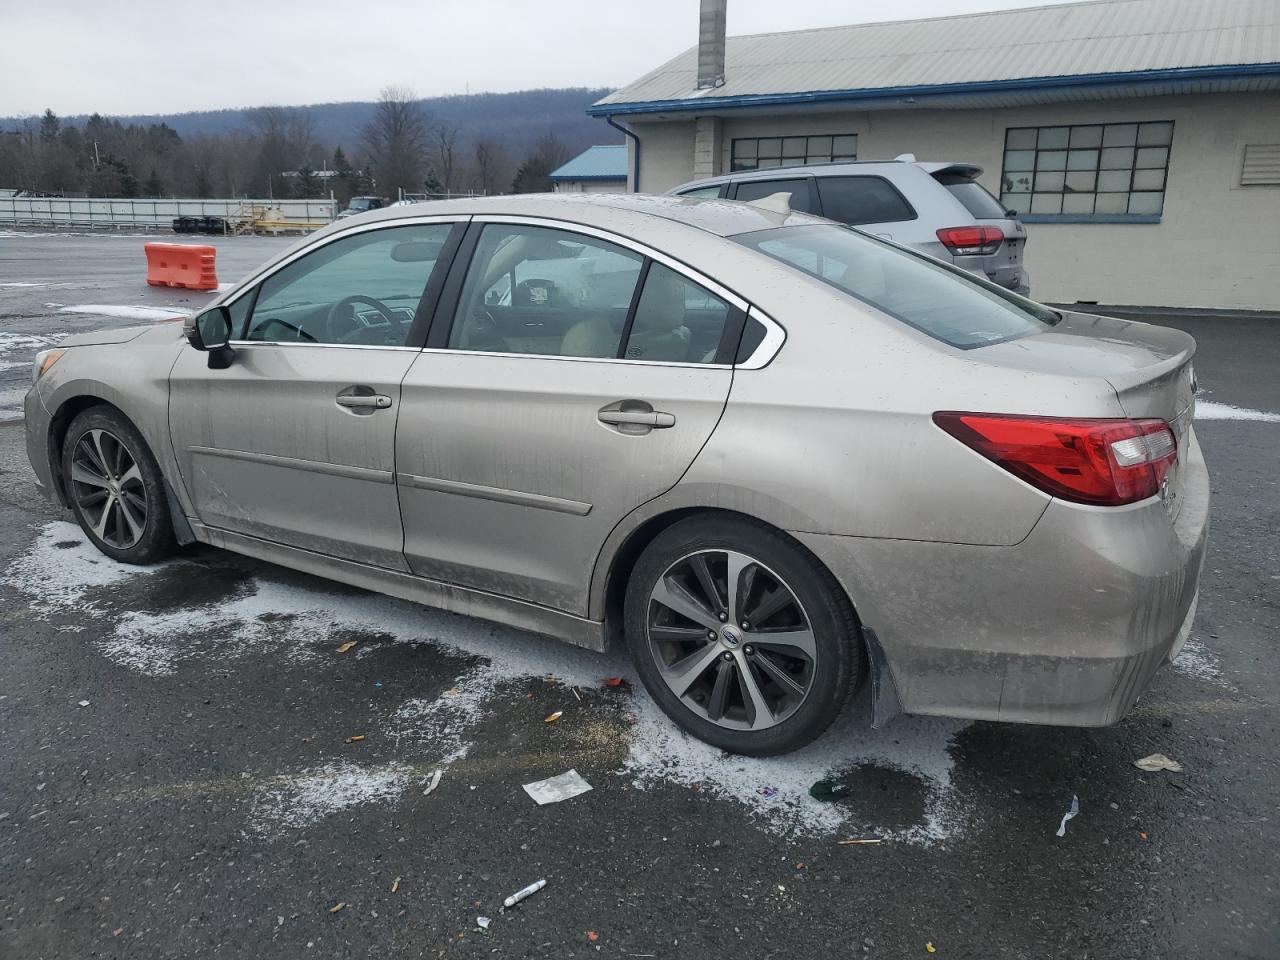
x,y
654,419
635,416
376,401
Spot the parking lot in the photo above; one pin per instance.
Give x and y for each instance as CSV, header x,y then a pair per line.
x,y
217,757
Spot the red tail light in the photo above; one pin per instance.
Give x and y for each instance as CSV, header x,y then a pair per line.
x,y
1103,462
968,241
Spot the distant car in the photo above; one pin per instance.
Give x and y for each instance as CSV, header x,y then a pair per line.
x,y
361,205
936,208
772,455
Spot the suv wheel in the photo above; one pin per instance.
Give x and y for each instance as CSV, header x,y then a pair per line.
x,y
741,636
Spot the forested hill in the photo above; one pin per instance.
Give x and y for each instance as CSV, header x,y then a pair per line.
x,y
514,120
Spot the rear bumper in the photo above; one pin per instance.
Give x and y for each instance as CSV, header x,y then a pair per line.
x,y
1067,627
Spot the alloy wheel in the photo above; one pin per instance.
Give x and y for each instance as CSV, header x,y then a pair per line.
x,y
731,640
106,483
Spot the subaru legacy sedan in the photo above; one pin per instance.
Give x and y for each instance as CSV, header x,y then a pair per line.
x,y
774,457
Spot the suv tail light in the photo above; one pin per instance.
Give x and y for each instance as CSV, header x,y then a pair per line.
x,y
1102,462
968,241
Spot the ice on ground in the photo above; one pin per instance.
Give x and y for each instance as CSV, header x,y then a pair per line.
x,y
126,313
14,283
1210,410
285,620
298,801
17,349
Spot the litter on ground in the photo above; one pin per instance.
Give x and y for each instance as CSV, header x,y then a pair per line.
x,y
1075,808
557,788
521,894
346,646
433,782
1157,762
553,717
483,922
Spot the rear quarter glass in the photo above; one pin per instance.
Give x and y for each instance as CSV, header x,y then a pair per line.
x,y
943,302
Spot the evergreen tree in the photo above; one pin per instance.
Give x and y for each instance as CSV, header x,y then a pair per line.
x,y
50,125
153,187
306,185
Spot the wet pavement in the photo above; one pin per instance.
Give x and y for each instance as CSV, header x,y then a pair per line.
x,y
209,798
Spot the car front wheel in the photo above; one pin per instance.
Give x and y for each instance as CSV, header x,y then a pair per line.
x,y
115,487
741,636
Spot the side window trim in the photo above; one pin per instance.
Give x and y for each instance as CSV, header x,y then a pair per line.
x,y
636,293
440,324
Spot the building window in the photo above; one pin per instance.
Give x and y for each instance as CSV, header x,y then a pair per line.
x,y
1100,170
757,153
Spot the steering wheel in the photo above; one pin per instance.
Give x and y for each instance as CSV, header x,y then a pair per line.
x,y
336,316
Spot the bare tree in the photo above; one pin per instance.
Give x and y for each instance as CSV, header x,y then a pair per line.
x,y
395,140
445,137
489,163
285,138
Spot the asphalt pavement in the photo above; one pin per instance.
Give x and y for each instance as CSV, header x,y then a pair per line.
x,y
194,763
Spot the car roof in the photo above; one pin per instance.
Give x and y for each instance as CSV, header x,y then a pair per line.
x,y
834,168
608,211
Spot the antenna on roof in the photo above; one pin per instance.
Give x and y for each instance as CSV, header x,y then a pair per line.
x,y
779,203
905,158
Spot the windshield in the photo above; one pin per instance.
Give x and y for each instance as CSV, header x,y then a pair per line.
x,y
946,303
360,204
976,200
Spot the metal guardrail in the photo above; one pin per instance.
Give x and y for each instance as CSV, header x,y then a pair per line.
x,y
96,212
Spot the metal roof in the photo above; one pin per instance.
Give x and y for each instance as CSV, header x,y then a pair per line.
x,y
595,163
1079,50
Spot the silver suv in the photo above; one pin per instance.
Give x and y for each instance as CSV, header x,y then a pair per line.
x,y
936,208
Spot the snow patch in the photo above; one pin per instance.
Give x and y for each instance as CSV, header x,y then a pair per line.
x,y
125,313
301,800
280,619
1209,410
62,566
1197,661
17,284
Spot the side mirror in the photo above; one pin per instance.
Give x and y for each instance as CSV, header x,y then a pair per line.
x,y
210,332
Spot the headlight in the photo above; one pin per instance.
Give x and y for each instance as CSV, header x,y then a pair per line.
x,y
44,360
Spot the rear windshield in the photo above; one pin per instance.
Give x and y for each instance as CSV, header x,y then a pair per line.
x,y
976,200
947,304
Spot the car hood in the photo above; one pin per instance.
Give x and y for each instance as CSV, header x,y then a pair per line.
x,y
155,331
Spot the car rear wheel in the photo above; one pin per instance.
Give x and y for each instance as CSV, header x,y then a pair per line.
x,y
115,487
741,636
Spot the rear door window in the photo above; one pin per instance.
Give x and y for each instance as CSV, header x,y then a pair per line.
x,y
855,200
705,193
676,320
802,199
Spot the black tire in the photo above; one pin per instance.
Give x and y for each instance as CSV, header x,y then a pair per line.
x,y
144,542
831,675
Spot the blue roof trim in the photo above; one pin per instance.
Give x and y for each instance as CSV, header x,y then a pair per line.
x,y
982,86
620,177
1089,217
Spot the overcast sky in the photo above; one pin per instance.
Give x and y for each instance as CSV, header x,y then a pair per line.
x,y
148,56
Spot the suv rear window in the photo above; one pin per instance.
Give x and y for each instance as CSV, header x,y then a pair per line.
x,y
856,200
975,198
946,303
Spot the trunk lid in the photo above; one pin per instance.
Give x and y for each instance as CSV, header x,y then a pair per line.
x,y
1149,367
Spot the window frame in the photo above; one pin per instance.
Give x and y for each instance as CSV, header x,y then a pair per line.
x,y
1094,217
782,159
430,292
446,305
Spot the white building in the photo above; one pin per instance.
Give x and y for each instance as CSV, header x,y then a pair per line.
x,y
1139,139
